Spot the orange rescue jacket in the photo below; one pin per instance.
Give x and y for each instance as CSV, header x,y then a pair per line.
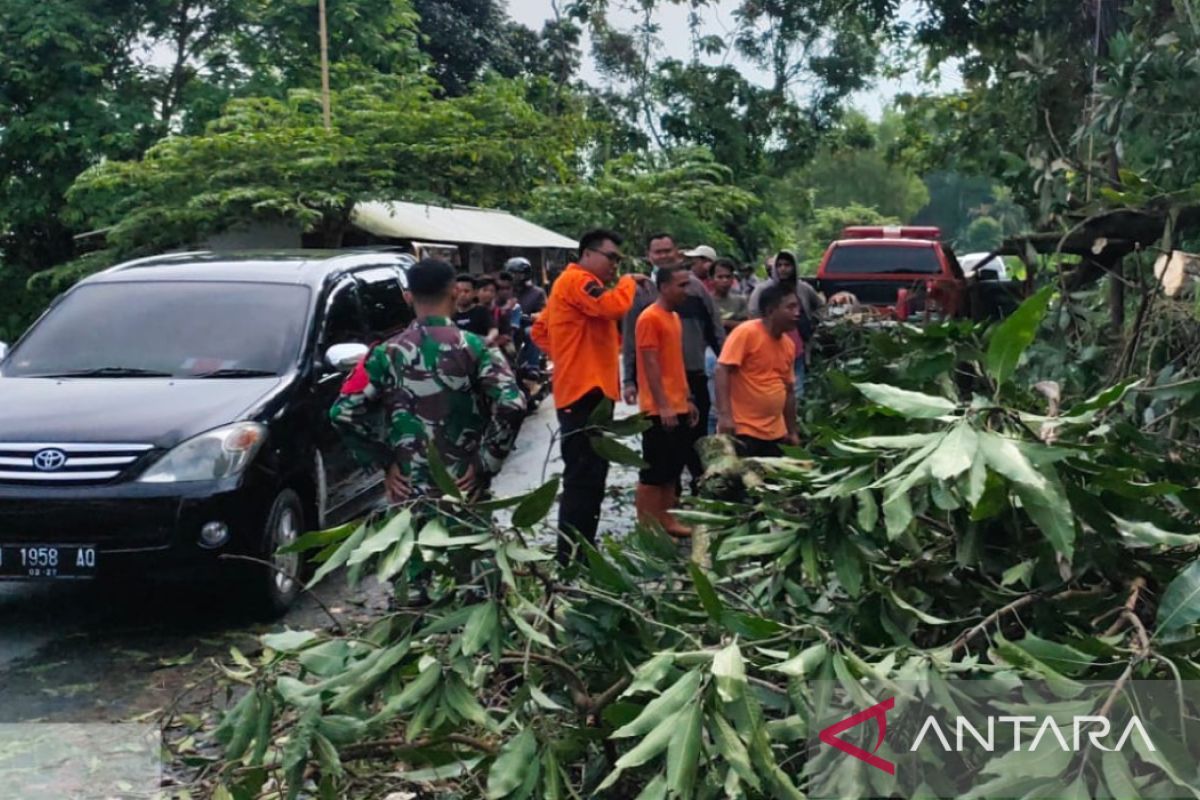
x,y
579,332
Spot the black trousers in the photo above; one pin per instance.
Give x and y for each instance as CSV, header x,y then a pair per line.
x,y
665,452
585,474
698,385
750,447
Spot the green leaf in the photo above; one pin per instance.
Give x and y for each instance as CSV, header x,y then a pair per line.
x,y
1117,776
1020,573
1050,511
628,426
1147,534
683,754
804,665
536,506
650,674
750,626
955,454
993,500
1010,338
910,441
315,539
530,632
462,701
662,707
611,450
976,480
868,510
544,700
848,568
397,558
708,595
913,405
654,743
731,748
1004,457
413,693
655,789
602,414
288,641
435,535
1078,790
1103,400
339,556
729,669
1180,606
243,730
382,539
341,729
508,771
441,476
897,514
479,629
925,617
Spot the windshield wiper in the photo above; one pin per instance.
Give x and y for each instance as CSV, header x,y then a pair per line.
x,y
237,372
109,372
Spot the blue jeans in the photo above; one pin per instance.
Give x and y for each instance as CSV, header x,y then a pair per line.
x,y
801,373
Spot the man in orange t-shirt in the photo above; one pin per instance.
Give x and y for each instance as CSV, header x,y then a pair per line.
x,y
756,399
578,331
664,396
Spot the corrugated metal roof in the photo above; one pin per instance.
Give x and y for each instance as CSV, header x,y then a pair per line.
x,y
462,224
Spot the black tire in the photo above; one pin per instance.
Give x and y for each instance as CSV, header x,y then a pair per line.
x,y
272,590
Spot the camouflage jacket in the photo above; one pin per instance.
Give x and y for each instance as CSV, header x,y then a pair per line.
x,y
434,385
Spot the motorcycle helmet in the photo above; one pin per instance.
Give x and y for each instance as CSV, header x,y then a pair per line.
x,y
518,265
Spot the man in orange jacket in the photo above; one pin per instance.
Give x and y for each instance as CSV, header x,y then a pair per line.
x,y
579,332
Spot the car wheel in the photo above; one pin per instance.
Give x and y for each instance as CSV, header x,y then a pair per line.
x,y
275,588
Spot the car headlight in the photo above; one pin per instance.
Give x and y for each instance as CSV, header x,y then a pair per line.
x,y
220,453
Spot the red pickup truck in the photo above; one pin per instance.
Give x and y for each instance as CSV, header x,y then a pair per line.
x,y
906,268
910,271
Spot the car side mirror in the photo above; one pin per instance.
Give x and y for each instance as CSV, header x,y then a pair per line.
x,y
345,357
3,350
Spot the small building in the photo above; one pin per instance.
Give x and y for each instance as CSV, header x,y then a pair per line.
x,y
485,238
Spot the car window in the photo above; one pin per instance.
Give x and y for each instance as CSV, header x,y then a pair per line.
x,y
382,296
883,258
343,320
174,328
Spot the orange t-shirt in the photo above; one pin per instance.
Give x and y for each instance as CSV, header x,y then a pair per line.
x,y
763,378
579,332
661,331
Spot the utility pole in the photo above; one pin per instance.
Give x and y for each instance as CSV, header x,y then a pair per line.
x,y
324,65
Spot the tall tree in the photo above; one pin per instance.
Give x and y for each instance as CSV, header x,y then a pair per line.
x,y
71,94
272,160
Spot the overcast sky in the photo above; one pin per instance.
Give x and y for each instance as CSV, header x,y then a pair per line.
x,y
718,20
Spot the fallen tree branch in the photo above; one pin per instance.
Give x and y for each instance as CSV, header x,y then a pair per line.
x,y
965,637
399,744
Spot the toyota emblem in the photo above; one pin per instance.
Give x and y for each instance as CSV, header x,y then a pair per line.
x,y
49,460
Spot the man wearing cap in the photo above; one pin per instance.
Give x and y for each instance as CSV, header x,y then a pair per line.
x,y
702,329
701,260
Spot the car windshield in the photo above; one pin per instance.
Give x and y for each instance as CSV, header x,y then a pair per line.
x,y
160,329
875,259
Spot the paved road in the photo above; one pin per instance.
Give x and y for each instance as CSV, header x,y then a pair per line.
x,y
97,652
536,459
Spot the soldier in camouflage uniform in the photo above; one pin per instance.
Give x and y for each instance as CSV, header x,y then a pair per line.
x,y
436,385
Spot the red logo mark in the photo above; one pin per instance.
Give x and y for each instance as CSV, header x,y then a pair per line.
x,y
877,712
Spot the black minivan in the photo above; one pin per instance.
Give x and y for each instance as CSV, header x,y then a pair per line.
x,y
174,409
